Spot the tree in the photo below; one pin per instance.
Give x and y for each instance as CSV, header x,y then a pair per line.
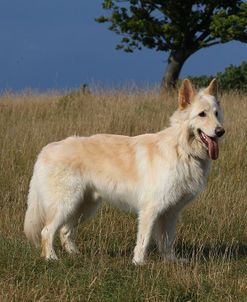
x,y
180,27
232,78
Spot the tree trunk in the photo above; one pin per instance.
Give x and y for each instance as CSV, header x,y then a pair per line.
x,y
175,63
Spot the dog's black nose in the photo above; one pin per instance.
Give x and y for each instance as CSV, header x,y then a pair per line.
x,y
219,131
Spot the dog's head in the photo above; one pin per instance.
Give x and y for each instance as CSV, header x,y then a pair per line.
x,y
204,115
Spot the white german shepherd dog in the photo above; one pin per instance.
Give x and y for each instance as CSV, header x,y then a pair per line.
x,y
155,175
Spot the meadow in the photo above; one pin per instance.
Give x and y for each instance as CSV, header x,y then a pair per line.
x,y
212,231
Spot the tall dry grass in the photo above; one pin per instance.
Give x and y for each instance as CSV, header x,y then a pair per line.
x,y
212,230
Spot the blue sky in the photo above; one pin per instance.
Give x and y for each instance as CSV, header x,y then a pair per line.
x,y
56,44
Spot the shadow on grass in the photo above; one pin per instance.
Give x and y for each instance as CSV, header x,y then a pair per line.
x,y
191,251
184,249
232,251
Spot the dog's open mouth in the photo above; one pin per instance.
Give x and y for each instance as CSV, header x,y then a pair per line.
x,y
211,143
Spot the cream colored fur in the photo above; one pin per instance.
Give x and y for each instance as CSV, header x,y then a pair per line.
x,y
155,175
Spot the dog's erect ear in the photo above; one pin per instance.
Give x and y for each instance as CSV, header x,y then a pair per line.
x,y
186,94
212,88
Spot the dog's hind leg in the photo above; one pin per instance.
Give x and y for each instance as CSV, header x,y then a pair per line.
x,y
60,213
53,223
67,237
86,209
146,218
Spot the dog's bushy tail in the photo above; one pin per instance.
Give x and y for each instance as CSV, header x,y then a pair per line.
x,y
33,222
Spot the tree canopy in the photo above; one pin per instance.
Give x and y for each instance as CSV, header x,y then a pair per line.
x,y
179,27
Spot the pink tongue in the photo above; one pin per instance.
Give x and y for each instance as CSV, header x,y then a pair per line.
x,y
213,148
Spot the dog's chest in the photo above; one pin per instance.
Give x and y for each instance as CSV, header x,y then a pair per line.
x,y
186,181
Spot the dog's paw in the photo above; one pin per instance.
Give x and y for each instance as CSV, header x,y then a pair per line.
x,y
183,260
138,262
51,257
174,259
72,249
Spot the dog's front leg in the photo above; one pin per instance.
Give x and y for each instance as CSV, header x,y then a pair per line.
x,y
164,232
146,221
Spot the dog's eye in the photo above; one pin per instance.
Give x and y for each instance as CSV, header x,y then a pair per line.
x,y
202,114
216,114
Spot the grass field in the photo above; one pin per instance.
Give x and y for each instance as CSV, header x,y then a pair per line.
x,y
212,231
